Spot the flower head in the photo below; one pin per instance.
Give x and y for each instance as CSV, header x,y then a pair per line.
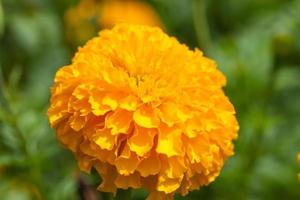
x,y
145,111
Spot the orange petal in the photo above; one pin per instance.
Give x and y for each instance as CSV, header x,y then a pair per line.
x,y
149,165
142,140
119,121
193,127
168,185
81,91
209,120
108,174
82,106
96,98
103,154
175,167
171,113
68,136
146,116
222,140
85,162
197,148
129,103
58,110
114,76
64,74
112,99
185,185
77,122
127,164
125,182
104,139
169,141
85,148
149,182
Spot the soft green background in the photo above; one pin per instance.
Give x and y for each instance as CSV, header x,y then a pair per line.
x,y
256,43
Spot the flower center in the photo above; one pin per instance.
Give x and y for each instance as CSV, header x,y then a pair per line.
x,y
151,88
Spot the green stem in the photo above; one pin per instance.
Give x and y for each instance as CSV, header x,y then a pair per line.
x,y
123,194
201,25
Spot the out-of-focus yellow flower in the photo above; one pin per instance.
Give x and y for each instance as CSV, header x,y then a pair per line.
x,y
81,21
145,111
84,20
130,12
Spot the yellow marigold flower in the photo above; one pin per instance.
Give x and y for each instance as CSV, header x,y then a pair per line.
x,y
127,11
145,111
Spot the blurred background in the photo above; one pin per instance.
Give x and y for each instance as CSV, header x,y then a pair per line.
x,y
256,43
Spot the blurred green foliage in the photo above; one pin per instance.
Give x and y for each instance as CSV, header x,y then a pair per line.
x,y
255,43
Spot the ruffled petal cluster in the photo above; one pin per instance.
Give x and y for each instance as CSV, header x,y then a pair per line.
x,y
145,111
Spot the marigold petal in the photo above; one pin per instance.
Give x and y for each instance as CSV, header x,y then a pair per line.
x,y
68,136
175,167
169,141
171,113
77,122
85,162
150,165
146,116
127,164
185,185
64,74
81,91
222,140
124,182
82,106
104,139
57,114
59,106
193,127
119,121
98,108
168,185
112,99
197,148
129,103
113,76
103,155
108,174
86,148
141,141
